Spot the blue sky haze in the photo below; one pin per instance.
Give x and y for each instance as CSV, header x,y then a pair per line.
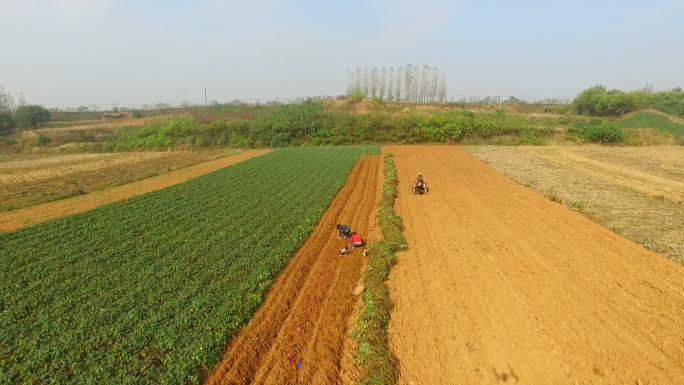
x,y
81,52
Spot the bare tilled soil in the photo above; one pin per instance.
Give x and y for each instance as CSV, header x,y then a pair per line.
x,y
299,334
501,285
97,177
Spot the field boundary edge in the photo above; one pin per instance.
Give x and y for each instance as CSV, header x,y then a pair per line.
x,y
373,356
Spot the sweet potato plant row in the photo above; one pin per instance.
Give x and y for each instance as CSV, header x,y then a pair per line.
x,y
150,290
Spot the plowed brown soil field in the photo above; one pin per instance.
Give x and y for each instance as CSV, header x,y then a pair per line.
x,y
16,219
298,334
501,285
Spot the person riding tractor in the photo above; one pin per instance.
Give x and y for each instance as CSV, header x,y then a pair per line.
x,y
419,185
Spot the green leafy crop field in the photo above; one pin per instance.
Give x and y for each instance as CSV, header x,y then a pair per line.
x,y
149,290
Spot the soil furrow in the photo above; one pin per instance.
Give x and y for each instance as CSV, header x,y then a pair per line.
x,y
298,334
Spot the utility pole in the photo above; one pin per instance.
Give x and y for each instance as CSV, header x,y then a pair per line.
x,y
206,103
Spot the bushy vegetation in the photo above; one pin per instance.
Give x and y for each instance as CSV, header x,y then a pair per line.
x,y
149,290
452,126
599,101
646,119
597,131
312,124
42,140
671,102
31,116
161,134
373,354
6,123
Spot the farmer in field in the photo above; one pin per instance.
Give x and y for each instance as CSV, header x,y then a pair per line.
x,y
419,185
344,231
355,240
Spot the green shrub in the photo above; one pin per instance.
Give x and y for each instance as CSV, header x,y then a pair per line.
x,y
294,122
453,126
598,131
598,101
42,140
31,116
449,126
671,101
160,134
357,96
6,123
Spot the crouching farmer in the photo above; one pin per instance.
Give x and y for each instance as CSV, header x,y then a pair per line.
x,y
344,231
355,241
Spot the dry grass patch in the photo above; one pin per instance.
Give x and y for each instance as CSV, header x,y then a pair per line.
x,y
27,180
652,221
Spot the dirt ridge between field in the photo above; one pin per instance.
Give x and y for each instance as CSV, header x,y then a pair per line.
x,y
501,285
13,220
298,335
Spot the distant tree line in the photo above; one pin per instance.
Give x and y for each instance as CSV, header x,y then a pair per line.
x,y
21,115
408,83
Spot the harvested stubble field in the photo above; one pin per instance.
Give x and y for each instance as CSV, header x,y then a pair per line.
x,y
501,285
150,289
27,180
28,216
93,125
637,192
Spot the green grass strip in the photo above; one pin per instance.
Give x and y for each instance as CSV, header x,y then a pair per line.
x,y
647,119
373,353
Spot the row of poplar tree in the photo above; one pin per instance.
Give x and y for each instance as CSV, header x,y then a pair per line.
x,y
409,83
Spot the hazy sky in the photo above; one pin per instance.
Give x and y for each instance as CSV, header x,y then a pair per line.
x,y
81,52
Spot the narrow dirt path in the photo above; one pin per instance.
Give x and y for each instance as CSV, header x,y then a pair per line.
x,y
501,285
298,335
13,220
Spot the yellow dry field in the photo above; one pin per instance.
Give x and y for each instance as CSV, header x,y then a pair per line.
x,y
92,125
637,192
30,179
52,167
29,183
